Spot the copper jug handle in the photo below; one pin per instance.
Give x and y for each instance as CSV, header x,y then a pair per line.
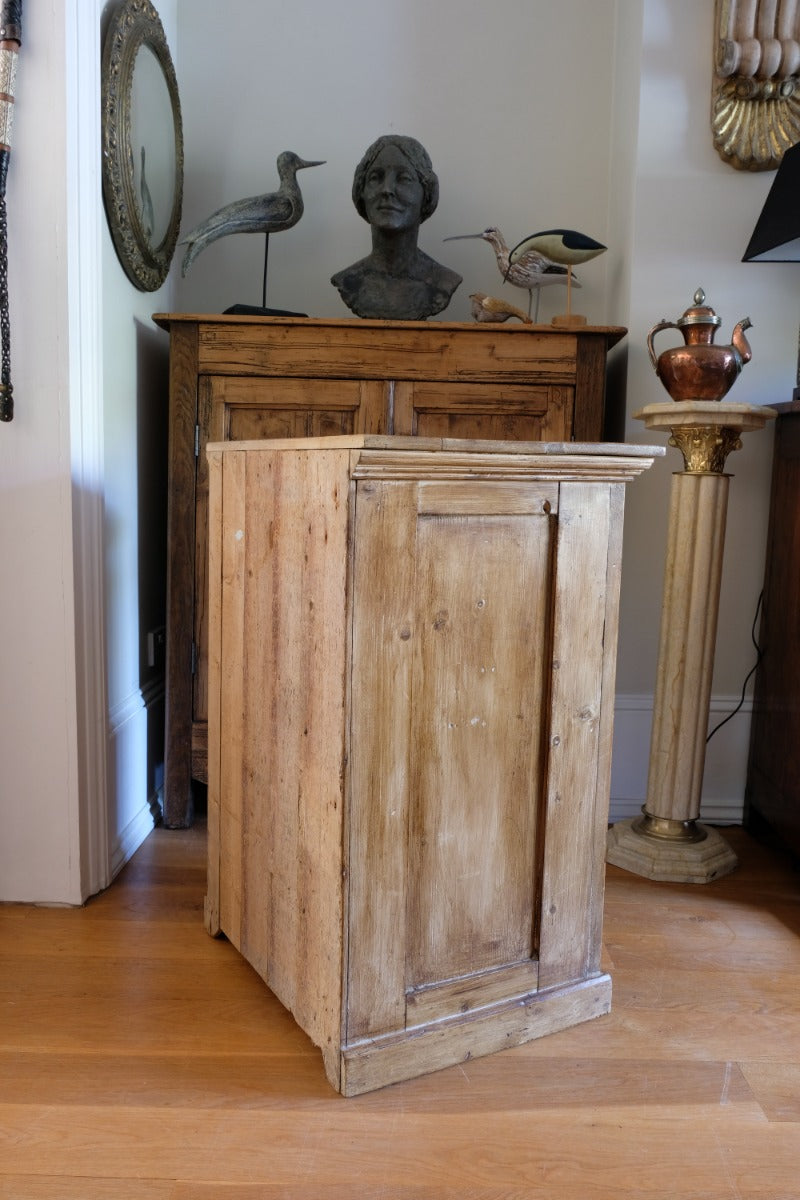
x,y
657,329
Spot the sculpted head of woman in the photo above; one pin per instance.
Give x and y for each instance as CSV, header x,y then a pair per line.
x,y
410,159
395,189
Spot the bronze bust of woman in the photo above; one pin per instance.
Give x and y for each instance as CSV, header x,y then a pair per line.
x,y
395,189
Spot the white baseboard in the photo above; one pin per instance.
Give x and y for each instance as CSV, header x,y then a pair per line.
x,y
133,798
725,772
129,839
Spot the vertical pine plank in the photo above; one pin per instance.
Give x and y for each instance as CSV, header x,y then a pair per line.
x,y
212,920
383,636
573,868
293,710
228,606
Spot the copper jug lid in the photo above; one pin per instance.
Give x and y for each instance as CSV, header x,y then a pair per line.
x,y
699,313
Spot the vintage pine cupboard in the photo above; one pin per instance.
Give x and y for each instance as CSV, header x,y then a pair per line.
x,y
239,377
411,684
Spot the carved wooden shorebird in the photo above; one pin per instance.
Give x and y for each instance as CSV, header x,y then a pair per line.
x,y
565,246
531,272
490,308
270,213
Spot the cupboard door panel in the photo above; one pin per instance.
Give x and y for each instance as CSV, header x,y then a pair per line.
x,y
484,411
450,676
481,635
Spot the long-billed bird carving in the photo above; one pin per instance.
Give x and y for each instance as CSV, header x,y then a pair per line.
x,y
270,213
531,272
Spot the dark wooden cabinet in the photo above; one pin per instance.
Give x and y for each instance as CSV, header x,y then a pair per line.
x,y
235,378
773,777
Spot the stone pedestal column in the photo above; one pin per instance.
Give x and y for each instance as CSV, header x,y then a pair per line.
x,y
667,842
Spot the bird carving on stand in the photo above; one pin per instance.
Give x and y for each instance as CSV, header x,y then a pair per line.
x,y
490,308
565,246
270,213
531,272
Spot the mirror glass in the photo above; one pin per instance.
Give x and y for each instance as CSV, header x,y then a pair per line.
x,y
152,147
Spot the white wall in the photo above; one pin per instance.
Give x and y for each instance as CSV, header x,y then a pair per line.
x,y
510,99
39,771
77,740
135,389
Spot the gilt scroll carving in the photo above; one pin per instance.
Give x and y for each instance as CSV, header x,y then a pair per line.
x,y
755,106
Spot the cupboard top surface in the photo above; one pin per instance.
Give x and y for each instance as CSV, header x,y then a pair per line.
x,y
446,446
612,333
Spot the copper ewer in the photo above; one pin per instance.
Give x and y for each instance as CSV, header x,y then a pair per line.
x,y
699,370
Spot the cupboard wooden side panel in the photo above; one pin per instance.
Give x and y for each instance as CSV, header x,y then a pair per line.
x,y
773,778
478,684
282,730
222,580
226,801
211,428
590,389
579,737
180,575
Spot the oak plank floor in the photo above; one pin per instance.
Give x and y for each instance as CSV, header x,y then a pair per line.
x,y
142,1060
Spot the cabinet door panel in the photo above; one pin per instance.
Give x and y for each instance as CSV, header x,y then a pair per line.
x,y
482,410
481,632
450,678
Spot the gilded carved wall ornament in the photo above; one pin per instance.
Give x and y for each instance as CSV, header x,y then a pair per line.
x,y
705,447
755,108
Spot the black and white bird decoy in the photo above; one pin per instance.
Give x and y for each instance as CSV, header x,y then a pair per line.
x,y
270,213
531,272
565,246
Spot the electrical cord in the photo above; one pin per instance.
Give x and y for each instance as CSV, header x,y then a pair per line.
x,y
748,676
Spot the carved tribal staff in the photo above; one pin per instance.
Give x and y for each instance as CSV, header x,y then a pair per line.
x,y
10,38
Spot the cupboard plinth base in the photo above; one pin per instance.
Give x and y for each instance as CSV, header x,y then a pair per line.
x,y
377,1062
670,861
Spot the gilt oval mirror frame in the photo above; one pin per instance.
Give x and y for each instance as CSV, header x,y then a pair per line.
x,y
142,137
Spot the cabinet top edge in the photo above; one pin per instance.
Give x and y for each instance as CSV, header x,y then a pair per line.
x,y
442,446
165,320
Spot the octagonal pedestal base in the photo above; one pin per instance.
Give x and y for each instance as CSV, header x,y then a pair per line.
x,y
670,861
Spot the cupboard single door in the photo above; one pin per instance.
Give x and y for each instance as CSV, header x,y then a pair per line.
x,y
451,649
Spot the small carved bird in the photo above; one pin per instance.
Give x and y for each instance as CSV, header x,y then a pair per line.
x,y
489,308
532,272
269,213
565,246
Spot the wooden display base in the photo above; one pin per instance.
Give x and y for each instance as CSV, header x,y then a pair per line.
x,y
569,321
670,860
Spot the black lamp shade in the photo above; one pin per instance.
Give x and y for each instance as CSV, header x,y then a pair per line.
x,y
776,237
